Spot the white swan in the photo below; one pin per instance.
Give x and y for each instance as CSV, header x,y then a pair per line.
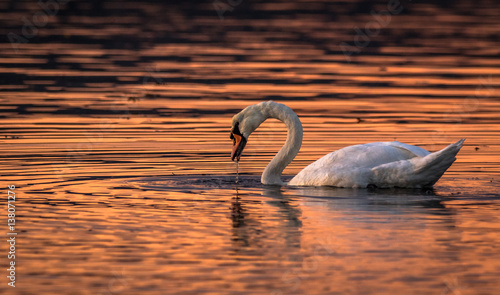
x,y
381,164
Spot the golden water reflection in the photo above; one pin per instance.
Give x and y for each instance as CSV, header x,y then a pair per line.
x,y
115,129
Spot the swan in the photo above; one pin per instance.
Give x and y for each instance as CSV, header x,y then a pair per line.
x,y
380,164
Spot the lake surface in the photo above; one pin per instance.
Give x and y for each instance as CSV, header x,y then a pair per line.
x,y
115,119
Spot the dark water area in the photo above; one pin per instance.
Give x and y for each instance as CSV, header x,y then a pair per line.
x,y
114,129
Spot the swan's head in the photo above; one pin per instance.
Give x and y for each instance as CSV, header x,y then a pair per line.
x,y
244,123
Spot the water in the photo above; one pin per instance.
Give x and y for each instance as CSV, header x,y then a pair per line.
x,y
115,124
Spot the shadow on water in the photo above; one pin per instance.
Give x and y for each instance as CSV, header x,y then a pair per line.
x,y
251,229
369,199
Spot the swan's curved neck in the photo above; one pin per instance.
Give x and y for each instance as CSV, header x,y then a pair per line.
x,y
272,173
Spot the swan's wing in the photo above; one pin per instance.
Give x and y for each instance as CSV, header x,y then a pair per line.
x,y
411,150
367,155
418,171
351,166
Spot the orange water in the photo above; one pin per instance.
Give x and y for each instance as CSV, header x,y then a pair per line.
x,y
115,131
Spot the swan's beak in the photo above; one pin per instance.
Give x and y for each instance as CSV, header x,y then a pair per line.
x,y
239,143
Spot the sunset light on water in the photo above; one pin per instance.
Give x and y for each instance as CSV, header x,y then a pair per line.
x,y
116,151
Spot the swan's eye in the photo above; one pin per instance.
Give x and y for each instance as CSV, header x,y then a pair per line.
x,y
236,129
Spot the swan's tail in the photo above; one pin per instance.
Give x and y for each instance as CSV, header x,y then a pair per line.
x,y
430,168
418,171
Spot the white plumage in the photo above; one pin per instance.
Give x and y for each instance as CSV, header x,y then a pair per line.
x,y
382,164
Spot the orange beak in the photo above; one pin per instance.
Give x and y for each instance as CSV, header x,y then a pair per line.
x,y
239,143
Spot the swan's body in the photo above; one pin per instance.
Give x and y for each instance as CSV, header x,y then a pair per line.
x,y
382,164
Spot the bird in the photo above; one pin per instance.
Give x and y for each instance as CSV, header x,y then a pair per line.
x,y
376,164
